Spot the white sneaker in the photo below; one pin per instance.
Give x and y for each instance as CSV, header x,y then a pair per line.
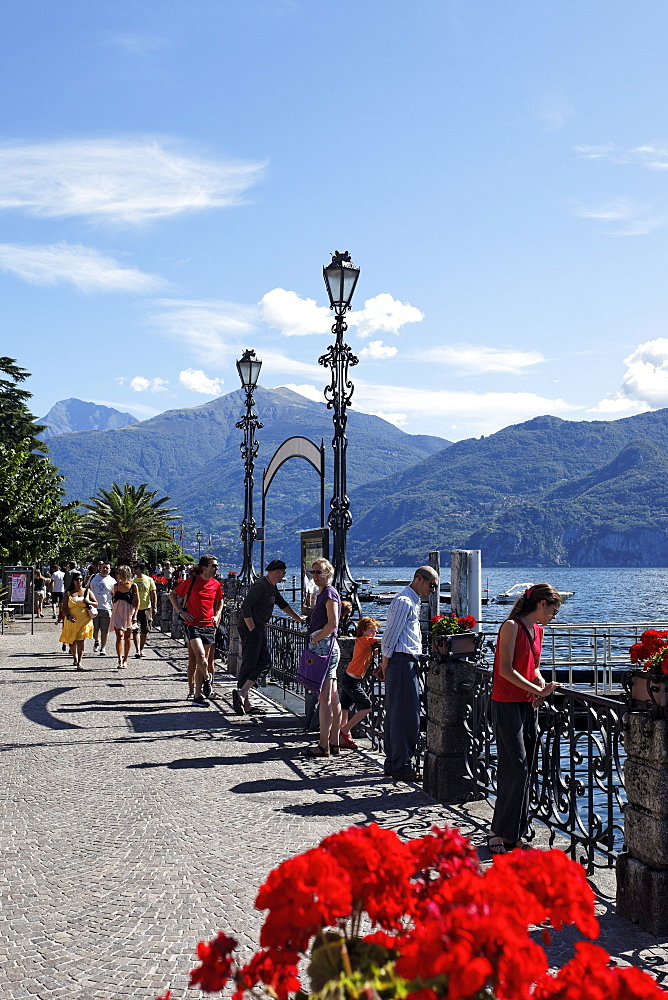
x,y
103,652
96,646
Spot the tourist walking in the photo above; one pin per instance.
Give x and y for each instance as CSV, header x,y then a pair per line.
x,y
57,588
147,606
77,623
517,690
323,630
352,694
39,590
125,601
400,646
102,585
256,610
202,597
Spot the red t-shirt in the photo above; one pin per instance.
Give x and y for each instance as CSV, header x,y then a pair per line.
x,y
525,658
201,598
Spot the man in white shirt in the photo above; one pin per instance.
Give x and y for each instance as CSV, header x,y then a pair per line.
x,y
102,585
57,589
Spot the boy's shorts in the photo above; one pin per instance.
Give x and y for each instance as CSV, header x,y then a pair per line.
x,y
352,693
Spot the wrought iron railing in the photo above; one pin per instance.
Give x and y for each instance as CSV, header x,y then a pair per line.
x,y
577,788
286,639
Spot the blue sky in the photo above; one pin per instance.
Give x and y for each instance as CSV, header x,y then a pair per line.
x,y
174,175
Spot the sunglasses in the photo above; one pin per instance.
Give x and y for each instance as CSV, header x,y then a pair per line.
x,y
318,572
432,585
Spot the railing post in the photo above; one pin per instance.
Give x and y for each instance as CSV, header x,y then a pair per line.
x,y
450,686
642,870
233,644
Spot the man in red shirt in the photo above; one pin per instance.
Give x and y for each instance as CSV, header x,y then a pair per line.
x,y
202,602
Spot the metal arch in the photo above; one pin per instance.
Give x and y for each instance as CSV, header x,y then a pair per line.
x,y
293,447
304,449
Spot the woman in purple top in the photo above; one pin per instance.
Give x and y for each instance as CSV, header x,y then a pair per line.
x,y
323,628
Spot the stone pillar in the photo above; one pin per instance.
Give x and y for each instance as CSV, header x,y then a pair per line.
x,y
164,613
449,697
642,870
176,626
233,644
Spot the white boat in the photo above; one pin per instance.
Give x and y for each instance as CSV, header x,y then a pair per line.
x,y
385,598
510,596
394,583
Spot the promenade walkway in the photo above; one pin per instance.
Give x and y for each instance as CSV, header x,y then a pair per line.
x,y
133,824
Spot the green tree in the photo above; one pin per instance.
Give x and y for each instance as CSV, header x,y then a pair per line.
x,y
34,521
123,518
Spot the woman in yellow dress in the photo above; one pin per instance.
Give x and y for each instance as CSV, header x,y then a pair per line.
x,y
77,623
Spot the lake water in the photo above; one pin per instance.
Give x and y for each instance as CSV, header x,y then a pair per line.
x,y
631,595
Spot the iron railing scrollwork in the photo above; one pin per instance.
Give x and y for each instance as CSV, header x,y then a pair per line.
x,y
577,788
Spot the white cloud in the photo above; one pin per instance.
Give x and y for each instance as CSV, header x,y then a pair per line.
x,y
82,266
141,384
376,350
309,391
293,316
140,409
383,313
297,317
275,363
618,406
478,413
212,330
398,419
118,180
652,157
646,377
630,218
482,360
197,381
554,112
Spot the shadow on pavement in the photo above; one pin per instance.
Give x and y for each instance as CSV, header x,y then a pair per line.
x,y
36,710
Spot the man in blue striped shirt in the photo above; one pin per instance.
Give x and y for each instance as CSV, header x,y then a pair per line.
x,y
400,645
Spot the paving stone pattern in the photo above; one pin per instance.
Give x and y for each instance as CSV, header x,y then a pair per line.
x,y
133,824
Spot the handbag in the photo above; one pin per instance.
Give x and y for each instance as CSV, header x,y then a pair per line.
x,y
313,667
92,611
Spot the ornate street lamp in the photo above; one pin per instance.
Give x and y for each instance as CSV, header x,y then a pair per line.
x,y
340,278
198,536
249,371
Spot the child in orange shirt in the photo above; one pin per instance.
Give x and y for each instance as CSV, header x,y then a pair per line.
x,y
352,692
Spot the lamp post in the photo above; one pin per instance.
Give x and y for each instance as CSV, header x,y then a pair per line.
x,y
340,279
198,536
249,372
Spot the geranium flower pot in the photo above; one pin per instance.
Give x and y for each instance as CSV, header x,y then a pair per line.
x,y
648,690
459,644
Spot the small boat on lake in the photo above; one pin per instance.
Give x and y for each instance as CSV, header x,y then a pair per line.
x,y
386,598
394,583
510,596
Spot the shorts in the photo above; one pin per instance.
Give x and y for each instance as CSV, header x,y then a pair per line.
x,y
144,620
322,648
352,693
207,633
56,597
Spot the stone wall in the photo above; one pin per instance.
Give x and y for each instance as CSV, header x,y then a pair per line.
x,y
642,870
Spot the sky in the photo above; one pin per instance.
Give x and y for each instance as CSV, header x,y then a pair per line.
x,y
174,176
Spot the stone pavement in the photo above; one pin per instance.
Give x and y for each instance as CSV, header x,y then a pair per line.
x,y
133,824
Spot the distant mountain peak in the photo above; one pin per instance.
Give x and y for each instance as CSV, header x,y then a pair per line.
x,y
72,415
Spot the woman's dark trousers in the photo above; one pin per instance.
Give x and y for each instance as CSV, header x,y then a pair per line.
x,y
516,745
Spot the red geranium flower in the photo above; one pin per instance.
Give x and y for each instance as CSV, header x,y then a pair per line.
x,y
276,969
216,965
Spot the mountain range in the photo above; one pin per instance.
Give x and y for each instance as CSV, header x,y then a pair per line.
x,y
76,415
544,492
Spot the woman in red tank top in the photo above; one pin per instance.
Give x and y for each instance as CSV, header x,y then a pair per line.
x,y
517,690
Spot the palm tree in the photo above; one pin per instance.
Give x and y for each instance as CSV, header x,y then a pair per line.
x,y
120,519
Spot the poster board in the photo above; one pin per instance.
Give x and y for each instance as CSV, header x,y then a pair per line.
x,y
17,583
314,544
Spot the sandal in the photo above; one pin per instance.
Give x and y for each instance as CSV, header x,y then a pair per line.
x,y
316,751
255,710
334,749
496,845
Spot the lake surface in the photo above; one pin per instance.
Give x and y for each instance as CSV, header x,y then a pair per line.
x,y
629,595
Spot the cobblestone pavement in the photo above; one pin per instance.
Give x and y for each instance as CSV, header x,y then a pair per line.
x,y
133,824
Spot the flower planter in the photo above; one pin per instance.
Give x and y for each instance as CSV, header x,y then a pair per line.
x,y
457,645
648,690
